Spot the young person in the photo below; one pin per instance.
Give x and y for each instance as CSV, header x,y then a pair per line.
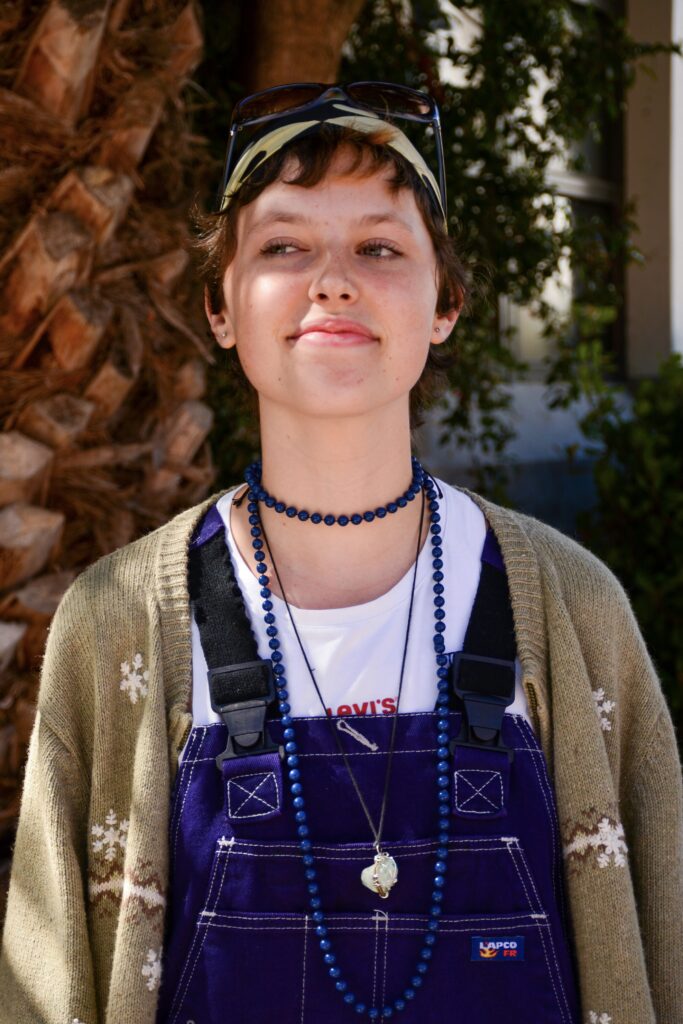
x,y
298,753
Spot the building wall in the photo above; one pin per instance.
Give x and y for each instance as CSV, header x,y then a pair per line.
x,y
652,136
543,480
676,178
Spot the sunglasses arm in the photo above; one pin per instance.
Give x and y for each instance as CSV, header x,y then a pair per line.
x,y
441,162
228,167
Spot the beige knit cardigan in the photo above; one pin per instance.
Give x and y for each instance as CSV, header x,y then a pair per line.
x,y
85,919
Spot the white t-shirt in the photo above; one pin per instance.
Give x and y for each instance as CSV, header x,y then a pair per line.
x,y
356,652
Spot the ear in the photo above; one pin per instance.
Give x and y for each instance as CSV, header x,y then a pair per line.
x,y
219,323
445,323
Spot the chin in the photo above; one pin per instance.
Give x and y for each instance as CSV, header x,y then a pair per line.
x,y
325,404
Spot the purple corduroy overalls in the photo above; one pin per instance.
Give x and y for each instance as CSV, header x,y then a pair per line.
x,y
241,946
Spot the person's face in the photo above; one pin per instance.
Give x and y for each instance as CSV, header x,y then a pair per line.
x,y
349,249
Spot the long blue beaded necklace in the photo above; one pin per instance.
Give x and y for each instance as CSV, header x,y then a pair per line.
x,y
292,757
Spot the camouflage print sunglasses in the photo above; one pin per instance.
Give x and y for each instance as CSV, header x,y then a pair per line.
x,y
284,102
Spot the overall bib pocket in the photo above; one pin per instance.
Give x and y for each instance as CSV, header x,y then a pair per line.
x,y
252,941
378,952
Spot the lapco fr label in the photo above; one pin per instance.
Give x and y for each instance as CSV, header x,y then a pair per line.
x,y
503,947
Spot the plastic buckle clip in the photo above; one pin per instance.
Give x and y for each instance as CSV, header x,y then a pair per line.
x,y
482,722
245,719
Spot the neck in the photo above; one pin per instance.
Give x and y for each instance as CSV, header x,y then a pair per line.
x,y
337,467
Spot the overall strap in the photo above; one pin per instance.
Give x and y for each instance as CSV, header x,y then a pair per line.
x,y
240,683
483,673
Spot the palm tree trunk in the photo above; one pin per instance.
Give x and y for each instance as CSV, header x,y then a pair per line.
x,y
102,360
297,40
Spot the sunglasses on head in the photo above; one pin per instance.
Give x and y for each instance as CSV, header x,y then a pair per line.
x,y
384,99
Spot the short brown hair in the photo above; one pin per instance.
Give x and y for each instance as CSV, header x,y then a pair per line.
x,y
215,240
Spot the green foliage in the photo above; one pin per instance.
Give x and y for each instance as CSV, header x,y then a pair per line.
x,y
637,523
532,81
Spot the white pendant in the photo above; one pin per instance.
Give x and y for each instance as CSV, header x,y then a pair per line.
x,y
381,875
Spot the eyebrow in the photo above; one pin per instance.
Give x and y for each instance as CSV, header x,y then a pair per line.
x,y
287,217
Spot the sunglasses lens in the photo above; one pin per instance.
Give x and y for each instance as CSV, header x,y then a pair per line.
x,y
391,99
277,101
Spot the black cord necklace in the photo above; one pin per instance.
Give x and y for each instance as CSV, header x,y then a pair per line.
x,y
382,874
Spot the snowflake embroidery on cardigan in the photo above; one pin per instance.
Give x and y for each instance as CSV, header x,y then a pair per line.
x,y
112,838
608,839
603,708
134,681
599,1018
151,969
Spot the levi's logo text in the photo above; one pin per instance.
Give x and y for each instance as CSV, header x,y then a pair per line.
x,y
379,706
502,947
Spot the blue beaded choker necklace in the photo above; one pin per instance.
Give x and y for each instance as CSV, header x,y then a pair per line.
x,y
252,476
256,494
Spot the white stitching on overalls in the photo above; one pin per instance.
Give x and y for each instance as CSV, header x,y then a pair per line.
x,y
177,999
553,978
386,950
360,857
515,847
223,846
374,966
234,784
526,731
303,972
200,738
416,929
419,920
354,753
291,849
462,774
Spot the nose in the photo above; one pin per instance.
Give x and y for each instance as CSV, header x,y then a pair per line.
x,y
332,281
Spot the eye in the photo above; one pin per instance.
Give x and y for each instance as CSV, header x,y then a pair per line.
x,y
277,247
374,247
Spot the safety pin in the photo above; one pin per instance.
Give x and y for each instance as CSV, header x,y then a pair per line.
x,y
344,726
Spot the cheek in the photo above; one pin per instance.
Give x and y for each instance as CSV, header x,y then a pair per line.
x,y
261,299
262,309
258,356
411,295
412,319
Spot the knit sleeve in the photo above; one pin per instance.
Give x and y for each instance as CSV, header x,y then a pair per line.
x,y
46,973
653,816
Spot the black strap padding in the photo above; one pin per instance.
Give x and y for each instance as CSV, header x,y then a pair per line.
x,y
218,606
490,634
233,684
491,629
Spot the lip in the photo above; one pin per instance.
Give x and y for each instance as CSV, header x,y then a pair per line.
x,y
335,330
